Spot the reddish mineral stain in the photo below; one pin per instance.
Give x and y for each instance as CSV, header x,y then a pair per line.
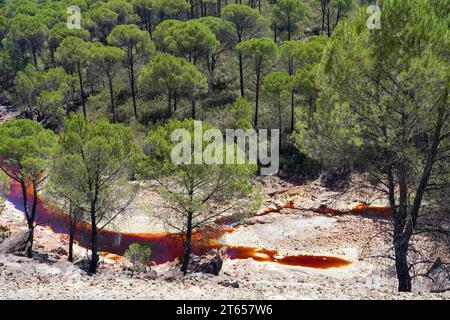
x,y
166,246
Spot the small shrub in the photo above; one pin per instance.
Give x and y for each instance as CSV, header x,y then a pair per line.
x,y
139,255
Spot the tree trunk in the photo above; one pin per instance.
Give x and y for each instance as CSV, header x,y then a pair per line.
x,y
191,9
28,218
241,75
257,99
32,218
279,124
275,34
292,110
33,53
328,22
94,257
71,233
175,103
52,57
193,108
402,231
311,109
80,79
169,102
111,95
187,244
132,84
210,64
29,248
323,15
401,264
289,28
25,199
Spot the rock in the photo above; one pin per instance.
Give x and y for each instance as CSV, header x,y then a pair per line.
x,y
15,243
41,258
151,275
59,251
172,274
231,284
211,263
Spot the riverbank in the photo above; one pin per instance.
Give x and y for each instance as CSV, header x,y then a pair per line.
x,y
289,232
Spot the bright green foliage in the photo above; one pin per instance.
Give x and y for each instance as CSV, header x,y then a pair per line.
x,y
303,62
9,64
260,54
50,15
4,28
107,60
100,22
192,190
333,11
223,31
171,9
276,89
83,4
247,22
44,93
146,10
123,9
91,168
161,30
59,32
173,76
289,55
72,54
353,63
25,150
19,6
191,39
137,47
242,111
286,14
139,255
302,54
133,40
28,33
393,82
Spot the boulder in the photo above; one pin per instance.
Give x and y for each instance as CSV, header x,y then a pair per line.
x,y
151,275
173,274
59,251
210,263
16,243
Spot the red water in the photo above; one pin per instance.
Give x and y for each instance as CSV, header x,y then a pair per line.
x,y
166,246
360,209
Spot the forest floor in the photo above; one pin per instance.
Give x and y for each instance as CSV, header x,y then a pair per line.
x,y
353,237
